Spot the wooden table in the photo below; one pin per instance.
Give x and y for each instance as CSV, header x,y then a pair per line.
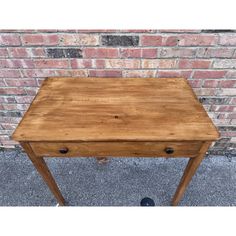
x,y
116,117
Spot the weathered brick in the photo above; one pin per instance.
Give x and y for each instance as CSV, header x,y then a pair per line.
x,y
21,82
208,52
227,84
210,83
227,92
3,53
8,126
32,91
37,52
10,40
194,64
40,39
149,53
122,63
231,74
105,73
81,63
64,52
139,73
209,74
29,73
101,52
120,40
174,73
159,63
195,83
24,99
51,63
78,39
99,64
19,107
176,52
18,52
130,52
12,91
228,39
205,91
197,40
214,100
9,73
223,108
72,73
225,63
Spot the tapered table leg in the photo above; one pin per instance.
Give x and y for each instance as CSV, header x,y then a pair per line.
x,y
42,168
190,169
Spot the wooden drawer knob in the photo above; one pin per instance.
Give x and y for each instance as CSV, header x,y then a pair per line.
x,y
63,150
169,150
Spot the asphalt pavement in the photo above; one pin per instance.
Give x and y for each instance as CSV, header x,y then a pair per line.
x,y
120,182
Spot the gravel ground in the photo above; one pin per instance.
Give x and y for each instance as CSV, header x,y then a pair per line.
x,y
120,182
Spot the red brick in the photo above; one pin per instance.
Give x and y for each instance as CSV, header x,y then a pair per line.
x,y
197,40
130,53
139,73
100,64
9,73
12,91
72,73
18,52
40,39
195,83
215,52
222,108
122,63
228,84
174,73
20,82
9,40
79,39
16,63
228,40
149,53
177,52
209,74
151,40
101,52
194,64
38,52
159,63
105,73
81,63
210,83
3,53
170,41
51,63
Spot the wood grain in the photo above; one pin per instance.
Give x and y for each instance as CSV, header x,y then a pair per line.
x,y
125,109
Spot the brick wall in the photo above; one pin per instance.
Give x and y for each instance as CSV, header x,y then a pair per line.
x,y
206,57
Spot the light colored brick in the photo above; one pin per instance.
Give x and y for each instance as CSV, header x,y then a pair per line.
x,y
176,52
197,40
228,39
215,52
130,52
101,52
210,83
79,39
20,82
105,73
159,63
122,63
225,63
139,73
81,63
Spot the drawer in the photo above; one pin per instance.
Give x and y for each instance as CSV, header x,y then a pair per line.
x,y
116,149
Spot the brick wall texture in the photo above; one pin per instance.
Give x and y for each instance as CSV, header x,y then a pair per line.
x,y
207,58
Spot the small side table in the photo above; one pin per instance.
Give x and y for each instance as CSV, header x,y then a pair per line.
x,y
116,117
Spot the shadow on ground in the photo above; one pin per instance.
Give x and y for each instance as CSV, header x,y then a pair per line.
x,y
120,182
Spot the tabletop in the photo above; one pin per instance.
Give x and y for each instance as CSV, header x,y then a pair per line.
x,y
115,109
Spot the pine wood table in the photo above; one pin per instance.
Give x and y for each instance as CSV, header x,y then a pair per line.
x,y
116,117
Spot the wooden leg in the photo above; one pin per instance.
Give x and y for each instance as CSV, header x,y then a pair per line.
x,y
42,168
190,169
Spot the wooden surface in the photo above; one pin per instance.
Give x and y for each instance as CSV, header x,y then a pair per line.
x,y
116,149
115,109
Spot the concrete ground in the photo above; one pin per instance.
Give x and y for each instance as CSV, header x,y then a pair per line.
x,y
120,182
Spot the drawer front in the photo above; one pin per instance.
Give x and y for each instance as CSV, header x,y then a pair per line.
x,y
116,149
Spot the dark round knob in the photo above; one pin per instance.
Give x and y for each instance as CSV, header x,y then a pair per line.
x,y
64,150
169,150
147,202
